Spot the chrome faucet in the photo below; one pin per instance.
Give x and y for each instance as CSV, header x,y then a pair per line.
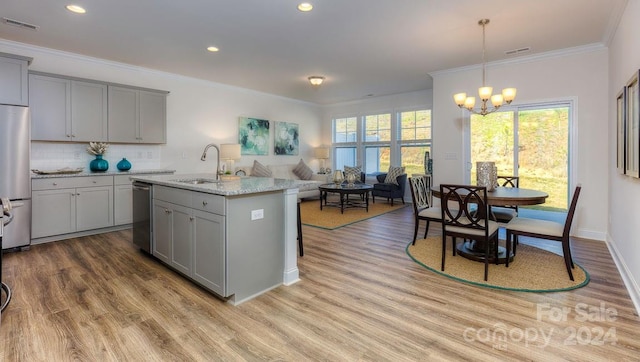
x,y
204,157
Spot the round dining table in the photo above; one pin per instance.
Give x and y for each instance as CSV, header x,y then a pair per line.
x,y
500,196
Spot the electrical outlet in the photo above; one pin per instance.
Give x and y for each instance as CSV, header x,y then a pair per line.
x,y
184,155
257,214
139,154
450,156
76,155
149,155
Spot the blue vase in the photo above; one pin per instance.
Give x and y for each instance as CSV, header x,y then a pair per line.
x,y
124,165
99,164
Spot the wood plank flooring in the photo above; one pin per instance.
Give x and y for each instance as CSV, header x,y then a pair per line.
x,y
361,298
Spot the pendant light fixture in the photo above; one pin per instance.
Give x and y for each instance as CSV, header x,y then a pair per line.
x,y
484,92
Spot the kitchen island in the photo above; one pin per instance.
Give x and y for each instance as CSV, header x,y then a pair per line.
x,y
236,238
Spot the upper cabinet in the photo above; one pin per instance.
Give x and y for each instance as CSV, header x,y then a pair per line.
x,y
13,79
137,116
67,110
80,110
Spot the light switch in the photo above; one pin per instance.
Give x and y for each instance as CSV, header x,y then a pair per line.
x,y
257,214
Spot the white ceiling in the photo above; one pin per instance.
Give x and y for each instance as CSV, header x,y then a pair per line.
x,y
362,47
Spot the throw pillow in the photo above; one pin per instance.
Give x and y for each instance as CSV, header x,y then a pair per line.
x,y
393,174
260,170
303,171
354,170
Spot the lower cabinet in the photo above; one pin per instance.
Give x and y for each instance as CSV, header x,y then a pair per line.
x,y
62,211
188,239
73,204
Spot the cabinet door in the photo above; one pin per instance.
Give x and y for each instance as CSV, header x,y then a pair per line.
x,y
88,111
153,117
162,230
94,206
53,212
50,106
181,244
209,251
13,81
123,204
123,115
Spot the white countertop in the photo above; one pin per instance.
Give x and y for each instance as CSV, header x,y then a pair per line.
x,y
106,173
244,185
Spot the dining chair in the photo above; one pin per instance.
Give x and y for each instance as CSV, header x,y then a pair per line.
x,y
465,214
421,207
543,229
504,214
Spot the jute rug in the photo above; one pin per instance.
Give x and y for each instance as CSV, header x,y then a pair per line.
x,y
532,269
331,218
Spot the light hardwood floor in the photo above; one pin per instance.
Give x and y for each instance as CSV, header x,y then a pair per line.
x,y
97,298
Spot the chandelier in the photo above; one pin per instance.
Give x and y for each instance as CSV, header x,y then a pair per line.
x,y
484,92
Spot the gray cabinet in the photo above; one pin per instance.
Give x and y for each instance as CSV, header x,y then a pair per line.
x,y
137,116
66,205
189,235
67,110
162,230
13,79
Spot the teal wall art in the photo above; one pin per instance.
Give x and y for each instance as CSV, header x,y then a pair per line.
x,y
286,140
253,136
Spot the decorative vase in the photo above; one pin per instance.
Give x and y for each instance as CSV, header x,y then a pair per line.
x,y
338,177
99,164
351,179
124,165
486,175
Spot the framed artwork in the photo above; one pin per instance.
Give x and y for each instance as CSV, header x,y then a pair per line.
x,y
286,140
621,127
253,136
632,144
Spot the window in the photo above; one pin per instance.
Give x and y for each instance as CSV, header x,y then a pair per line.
x,y
345,130
414,140
529,141
377,141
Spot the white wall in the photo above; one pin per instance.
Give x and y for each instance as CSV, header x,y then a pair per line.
x,y
577,75
198,113
624,192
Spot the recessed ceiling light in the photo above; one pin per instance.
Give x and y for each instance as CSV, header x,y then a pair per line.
x,y
213,49
76,9
305,7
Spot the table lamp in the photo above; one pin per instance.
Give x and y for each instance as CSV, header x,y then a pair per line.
x,y
230,152
321,153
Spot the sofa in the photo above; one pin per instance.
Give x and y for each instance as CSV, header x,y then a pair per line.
x,y
286,172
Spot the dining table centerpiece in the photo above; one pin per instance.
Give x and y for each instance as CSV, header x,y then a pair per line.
x,y
98,149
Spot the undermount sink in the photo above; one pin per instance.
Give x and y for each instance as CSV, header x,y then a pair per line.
x,y
196,181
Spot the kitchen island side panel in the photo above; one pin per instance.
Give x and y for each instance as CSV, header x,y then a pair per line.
x,y
255,244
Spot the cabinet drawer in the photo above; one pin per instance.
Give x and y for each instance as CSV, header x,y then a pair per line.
x,y
208,203
172,195
122,180
70,182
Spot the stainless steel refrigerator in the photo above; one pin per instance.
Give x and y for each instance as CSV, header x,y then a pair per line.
x,y
15,176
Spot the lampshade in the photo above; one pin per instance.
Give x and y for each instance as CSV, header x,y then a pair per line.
x,y
321,153
230,151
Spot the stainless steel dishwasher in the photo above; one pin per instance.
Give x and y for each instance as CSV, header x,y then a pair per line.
x,y
142,225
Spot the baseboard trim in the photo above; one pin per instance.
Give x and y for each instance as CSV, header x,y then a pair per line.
x,y
48,239
627,278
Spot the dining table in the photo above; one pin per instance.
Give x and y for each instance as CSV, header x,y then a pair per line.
x,y
499,196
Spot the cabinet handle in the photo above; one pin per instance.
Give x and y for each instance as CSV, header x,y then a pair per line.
x,y
73,194
204,203
72,135
95,182
68,135
167,211
55,184
191,218
78,194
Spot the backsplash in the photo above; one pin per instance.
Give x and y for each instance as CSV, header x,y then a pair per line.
x,y
51,156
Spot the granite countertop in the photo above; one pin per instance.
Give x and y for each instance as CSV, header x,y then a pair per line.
x,y
241,186
106,173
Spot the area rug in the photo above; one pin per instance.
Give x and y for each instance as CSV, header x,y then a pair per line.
x,y
532,269
331,218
